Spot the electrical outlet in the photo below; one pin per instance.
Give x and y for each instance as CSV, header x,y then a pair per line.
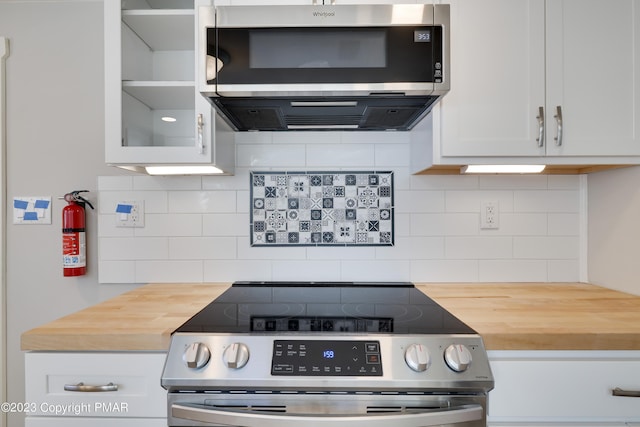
x,y
489,215
130,214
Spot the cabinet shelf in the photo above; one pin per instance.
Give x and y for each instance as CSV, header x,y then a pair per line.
x,y
151,26
162,95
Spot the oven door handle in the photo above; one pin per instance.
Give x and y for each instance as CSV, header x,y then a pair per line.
x,y
208,415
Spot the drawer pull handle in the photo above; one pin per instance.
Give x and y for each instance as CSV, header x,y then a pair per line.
x,y
91,388
625,393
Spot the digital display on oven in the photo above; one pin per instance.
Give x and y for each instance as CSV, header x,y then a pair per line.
x,y
326,358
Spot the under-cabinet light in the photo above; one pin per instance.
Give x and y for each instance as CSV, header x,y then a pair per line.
x,y
502,169
183,170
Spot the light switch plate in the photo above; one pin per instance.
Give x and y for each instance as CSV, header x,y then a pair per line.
x,y
32,210
130,214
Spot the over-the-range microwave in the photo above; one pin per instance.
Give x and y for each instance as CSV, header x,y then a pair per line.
x,y
338,67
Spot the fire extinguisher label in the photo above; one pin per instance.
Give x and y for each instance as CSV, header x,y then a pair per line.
x,y
74,250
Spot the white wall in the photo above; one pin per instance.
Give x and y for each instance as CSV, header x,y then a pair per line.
x,y
55,128
614,229
197,229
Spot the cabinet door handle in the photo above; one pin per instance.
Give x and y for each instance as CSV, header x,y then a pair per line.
x,y
558,118
540,118
200,134
625,393
91,388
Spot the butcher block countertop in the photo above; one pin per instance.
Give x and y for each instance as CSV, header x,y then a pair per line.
x,y
509,316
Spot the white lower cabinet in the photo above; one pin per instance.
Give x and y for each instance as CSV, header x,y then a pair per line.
x,y
94,388
564,388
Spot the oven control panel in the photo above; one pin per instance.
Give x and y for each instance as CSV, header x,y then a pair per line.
x,y
326,358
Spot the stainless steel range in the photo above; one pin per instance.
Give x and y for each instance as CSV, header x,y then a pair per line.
x,y
326,354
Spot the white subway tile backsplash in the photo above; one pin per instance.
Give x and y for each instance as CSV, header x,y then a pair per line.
x,y
419,201
229,271
245,251
401,178
107,227
516,182
444,270
340,252
520,224
334,156
202,201
169,271
546,201
270,155
470,201
382,137
170,225
376,271
444,182
144,182
391,155
195,248
418,247
564,270
461,224
402,224
154,201
133,248
560,224
480,247
225,224
309,270
546,247
239,181
564,182
425,247
198,228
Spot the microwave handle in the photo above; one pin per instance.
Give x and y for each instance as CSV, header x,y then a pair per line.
x,y
208,415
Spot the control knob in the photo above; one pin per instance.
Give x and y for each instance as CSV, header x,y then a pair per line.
x,y
457,357
196,355
417,357
236,355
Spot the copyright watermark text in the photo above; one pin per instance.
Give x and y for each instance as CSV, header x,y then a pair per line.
x,y
60,409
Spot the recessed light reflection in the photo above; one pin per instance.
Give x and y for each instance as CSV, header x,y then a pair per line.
x,y
168,119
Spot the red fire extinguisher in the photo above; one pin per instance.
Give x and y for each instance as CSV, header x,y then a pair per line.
x,y
74,242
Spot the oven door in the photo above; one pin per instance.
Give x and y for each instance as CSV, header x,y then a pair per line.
x,y
326,410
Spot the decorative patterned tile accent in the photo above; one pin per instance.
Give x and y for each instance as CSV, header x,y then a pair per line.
x,y
322,208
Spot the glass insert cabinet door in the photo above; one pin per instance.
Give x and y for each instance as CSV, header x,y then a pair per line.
x,y
153,112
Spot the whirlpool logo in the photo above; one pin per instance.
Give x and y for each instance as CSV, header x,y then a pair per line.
x,y
324,14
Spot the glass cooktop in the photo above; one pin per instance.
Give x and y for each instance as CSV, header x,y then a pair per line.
x,y
324,307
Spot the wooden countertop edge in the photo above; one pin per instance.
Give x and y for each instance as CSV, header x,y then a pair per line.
x,y
152,331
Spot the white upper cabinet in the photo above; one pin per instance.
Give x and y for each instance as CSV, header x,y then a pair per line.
x,y
512,60
593,74
497,78
153,112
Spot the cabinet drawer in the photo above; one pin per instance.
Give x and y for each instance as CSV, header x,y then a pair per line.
x,y
136,376
568,385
